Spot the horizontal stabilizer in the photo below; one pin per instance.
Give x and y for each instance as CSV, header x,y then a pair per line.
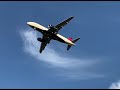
x,y
69,46
75,40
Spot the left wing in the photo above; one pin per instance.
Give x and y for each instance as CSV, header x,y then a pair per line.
x,y
43,44
62,24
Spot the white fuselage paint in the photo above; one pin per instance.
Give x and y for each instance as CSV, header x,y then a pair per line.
x,y
65,39
36,25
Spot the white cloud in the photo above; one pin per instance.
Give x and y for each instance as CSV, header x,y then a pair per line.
x,y
115,85
68,67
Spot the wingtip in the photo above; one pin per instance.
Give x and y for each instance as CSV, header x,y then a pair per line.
x,y
72,16
40,51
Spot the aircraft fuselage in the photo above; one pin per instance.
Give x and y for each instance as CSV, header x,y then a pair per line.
x,y
50,33
53,36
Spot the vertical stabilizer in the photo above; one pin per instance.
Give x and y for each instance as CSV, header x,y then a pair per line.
x,y
69,46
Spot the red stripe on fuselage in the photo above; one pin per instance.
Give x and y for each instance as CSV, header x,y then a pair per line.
x,y
70,39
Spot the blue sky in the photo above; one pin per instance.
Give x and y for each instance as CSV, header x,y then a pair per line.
x,y
92,63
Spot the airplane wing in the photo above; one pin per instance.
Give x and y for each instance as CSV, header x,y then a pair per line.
x,y
43,44
62,24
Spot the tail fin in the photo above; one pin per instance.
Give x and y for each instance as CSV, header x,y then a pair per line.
x,y
69,46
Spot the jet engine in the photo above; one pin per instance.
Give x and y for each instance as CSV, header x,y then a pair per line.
x,y
50,26
39,39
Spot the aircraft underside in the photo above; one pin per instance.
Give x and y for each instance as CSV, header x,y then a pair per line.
x,y
52,36
51,33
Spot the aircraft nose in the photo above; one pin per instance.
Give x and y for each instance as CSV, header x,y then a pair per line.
x,y
29,23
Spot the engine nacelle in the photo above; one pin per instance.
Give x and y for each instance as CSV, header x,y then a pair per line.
x,y
39,39
50,26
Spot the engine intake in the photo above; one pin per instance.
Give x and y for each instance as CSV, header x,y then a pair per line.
x,y
50,25
39,39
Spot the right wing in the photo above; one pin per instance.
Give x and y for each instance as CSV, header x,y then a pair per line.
x,y
62,24
43,44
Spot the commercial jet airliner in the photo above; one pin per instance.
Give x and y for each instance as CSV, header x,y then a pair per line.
x,y
51,33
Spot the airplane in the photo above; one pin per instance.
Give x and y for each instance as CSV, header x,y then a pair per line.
x,y
51,33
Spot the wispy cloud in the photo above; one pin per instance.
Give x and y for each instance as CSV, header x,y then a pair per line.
x,y
115,85
68,67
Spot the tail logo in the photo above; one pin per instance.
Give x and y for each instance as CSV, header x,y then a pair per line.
x,y
70,39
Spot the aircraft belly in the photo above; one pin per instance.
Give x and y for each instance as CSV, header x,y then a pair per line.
x,y
59,39
65,40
